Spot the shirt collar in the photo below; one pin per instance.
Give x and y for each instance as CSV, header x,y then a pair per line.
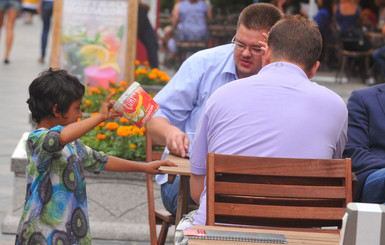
x,y
230,66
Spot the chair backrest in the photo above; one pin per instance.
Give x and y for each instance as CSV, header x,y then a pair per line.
x,y
151,154
278,192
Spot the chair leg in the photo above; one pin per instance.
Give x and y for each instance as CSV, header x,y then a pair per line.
x,y
341,72
163,233
151,209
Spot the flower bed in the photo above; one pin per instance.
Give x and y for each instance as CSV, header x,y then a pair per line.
x,y
118,137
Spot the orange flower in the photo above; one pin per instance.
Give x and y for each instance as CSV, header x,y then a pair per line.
x,y
163,76
137,62
156,70
94,114
112,125
152,75
143,71
113,90
96,90
124,120
100,136
125,84
123,131
136,131
137,73
101,124
145,63
133,146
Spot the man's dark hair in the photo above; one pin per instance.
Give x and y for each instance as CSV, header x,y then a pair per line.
x,y
259,16
53,87
295,39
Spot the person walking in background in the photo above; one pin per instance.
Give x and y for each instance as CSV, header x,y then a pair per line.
x,y
189,21
147,35
29,9
11,9
46,10
181,101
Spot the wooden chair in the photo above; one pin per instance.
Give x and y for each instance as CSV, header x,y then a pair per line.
x,y
186,48
298,194
162,216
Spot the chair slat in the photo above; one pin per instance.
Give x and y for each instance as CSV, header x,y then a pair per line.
x,y
283,212
267,190
280,166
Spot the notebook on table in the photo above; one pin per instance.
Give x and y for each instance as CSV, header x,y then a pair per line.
x,y
235,236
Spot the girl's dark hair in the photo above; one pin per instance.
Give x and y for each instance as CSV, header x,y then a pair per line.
x,y
53,87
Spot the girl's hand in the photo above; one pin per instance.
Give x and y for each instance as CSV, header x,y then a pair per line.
x,y
105,109
152,167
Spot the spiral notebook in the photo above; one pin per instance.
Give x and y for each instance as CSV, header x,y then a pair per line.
x,y
235,236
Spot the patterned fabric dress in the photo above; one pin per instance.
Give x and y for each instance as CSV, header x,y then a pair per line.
x,y
55,209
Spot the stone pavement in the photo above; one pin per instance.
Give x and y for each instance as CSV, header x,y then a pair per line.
x,y
14,81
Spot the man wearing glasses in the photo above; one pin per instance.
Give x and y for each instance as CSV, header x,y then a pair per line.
x,y
181,101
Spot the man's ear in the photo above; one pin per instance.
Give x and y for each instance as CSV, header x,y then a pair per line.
x,y
267,56
313,70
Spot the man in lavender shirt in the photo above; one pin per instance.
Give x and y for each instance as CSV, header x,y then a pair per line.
x,y
181,101
277,113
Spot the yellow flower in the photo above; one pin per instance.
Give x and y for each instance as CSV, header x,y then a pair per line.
x,y
123,131
133,146
100,136
112,125
124,120
88,102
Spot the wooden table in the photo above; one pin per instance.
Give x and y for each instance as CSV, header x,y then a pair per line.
x,y
293,237
183,170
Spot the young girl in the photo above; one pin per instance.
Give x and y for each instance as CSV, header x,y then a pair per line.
x,y
55,210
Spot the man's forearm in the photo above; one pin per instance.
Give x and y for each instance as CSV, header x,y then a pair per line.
x,y
157,127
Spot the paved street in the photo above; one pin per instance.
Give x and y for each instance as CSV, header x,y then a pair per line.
x,y
14,81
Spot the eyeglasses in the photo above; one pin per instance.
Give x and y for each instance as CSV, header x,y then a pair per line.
x,y
241,47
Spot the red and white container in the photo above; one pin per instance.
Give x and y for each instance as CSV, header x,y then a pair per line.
x,y
136,105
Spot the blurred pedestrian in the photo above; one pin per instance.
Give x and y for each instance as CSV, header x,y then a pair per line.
x,y
46,10
147,35
11,8
29,9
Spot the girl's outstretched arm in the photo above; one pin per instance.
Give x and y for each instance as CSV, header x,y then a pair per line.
x,y
116,164
76,130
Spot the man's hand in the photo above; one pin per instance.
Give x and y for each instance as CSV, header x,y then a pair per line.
x,y
177,142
